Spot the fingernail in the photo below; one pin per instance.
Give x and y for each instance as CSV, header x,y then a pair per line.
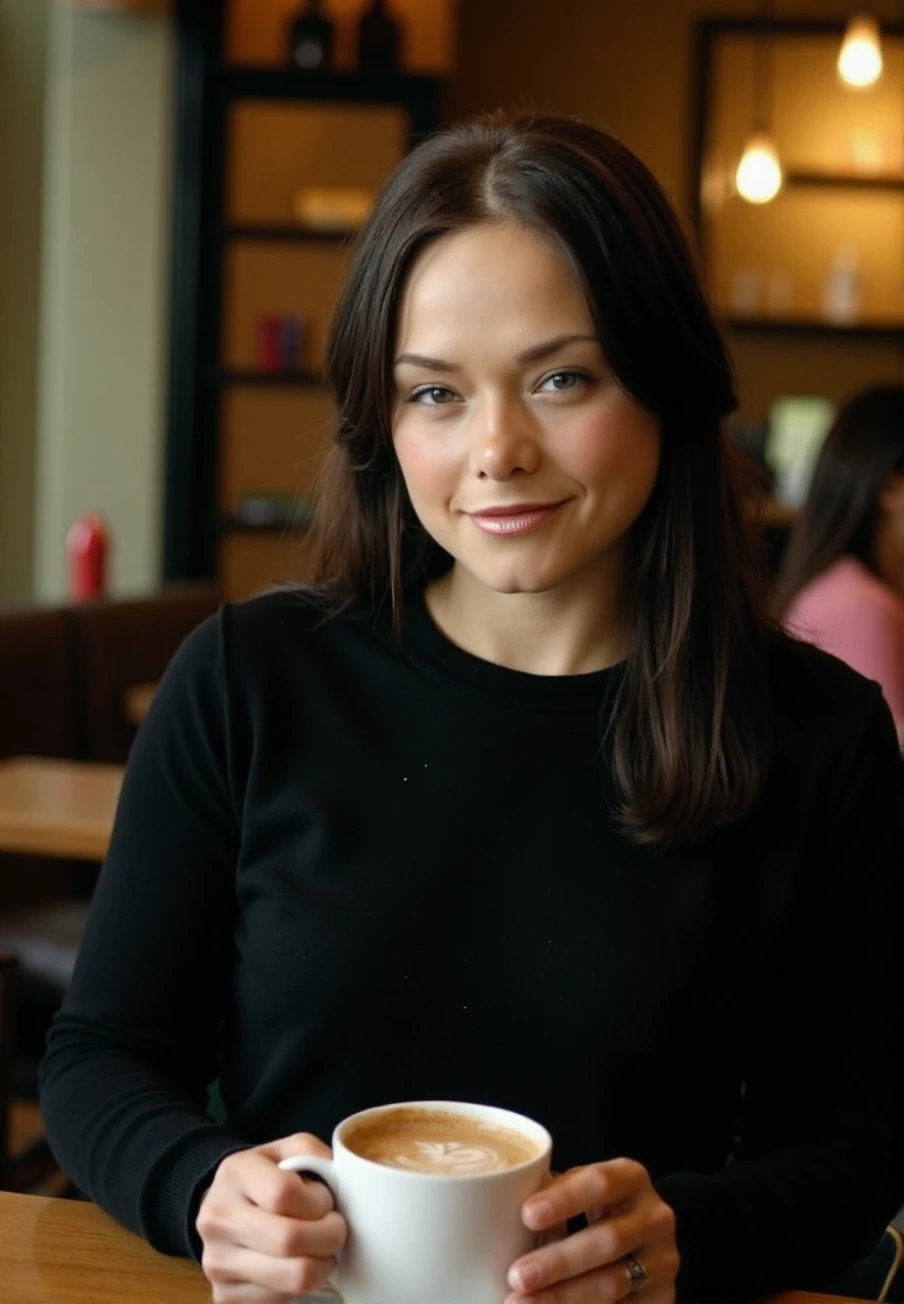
x,y
524,1278
538,1214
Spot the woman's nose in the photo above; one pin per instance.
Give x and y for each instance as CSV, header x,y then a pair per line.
x,y
503,444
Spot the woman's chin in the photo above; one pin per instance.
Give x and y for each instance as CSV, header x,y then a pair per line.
x,y
511,582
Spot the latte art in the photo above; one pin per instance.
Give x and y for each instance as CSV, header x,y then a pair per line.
x,y
449,1157
445,1144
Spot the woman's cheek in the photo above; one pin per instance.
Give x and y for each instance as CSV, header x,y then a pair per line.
x,y
428,465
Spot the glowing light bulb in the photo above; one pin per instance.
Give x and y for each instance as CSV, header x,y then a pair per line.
x,y
759,174
860,57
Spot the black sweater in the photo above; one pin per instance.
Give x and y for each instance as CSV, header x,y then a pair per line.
x,y
344,873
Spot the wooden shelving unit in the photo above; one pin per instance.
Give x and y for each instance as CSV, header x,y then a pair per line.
x,y
211,237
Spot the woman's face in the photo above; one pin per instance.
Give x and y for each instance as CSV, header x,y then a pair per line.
x,y
522,457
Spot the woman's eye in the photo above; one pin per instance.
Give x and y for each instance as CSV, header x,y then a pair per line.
x,y
560,381
432,396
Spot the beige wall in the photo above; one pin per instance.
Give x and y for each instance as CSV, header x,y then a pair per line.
x,y
102,372
23,45
628,67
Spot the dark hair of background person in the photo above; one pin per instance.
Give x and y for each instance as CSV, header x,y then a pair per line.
x,y
690,732
863,447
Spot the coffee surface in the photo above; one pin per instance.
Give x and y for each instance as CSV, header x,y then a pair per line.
x,y
450,1145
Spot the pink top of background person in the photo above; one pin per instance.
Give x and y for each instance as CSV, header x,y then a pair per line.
x,y
851,613
842,582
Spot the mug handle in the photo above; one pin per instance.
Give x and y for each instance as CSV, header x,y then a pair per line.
x,y
325,1169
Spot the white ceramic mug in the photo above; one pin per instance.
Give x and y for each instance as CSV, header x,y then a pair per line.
x,y
425,1238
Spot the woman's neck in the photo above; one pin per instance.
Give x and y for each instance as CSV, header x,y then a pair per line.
x,y
553,633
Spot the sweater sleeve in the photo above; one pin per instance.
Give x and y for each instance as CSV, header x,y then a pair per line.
x,y
818,1172
135,1046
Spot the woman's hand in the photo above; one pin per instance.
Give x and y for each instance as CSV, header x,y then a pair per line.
x,y
268,1236
630,1228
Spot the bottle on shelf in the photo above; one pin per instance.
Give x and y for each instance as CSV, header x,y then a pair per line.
x,y
842,288
87,546
279,342
311,39
291,342
378,39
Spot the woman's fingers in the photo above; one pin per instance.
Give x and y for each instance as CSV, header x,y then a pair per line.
x,y
583,1252
255,1176
288,1237
232,1265
612,1283
583,1191
233,1216
268,1235
625,1216
299,1143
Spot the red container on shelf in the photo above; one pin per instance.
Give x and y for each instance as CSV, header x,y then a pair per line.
x,y
87,546
270,343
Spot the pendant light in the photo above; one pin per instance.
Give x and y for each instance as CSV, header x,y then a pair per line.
x,y
860,56
759,173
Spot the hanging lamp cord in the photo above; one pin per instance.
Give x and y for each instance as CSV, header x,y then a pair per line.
x,y
763,67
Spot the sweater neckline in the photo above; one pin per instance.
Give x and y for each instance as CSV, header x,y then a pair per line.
x,y
426,644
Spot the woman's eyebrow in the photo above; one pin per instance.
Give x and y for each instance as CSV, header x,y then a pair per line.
x,y
536,353
428,364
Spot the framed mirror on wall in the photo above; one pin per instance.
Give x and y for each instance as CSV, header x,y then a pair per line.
x,y
825,251
808,277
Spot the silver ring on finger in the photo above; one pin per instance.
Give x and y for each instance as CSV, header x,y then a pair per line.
x,y
636,1272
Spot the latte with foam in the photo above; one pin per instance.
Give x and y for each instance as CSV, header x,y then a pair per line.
x,y
445,1144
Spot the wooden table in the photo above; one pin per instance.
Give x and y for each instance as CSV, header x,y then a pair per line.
x,y
57,808
136,702
68,1252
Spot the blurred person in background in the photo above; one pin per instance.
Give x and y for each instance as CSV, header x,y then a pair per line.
x,y
842,582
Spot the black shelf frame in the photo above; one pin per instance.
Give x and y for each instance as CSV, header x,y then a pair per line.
x,y
252,378
843,181
789,326
284,233
247,82
206,88
235,525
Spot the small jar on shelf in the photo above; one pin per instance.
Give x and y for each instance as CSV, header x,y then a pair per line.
x,y
311,39
842,292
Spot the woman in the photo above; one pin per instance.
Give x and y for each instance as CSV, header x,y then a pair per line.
x,y
842,583
525,804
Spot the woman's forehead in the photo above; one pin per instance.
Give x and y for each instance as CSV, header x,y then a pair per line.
x,y
486,279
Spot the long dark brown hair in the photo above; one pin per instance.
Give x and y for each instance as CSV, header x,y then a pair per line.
x,y
690,730
863,447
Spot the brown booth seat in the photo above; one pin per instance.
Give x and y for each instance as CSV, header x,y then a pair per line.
x,y
64,673
37,687
38,715
121,644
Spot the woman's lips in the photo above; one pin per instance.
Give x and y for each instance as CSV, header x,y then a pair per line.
x,y
515,520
